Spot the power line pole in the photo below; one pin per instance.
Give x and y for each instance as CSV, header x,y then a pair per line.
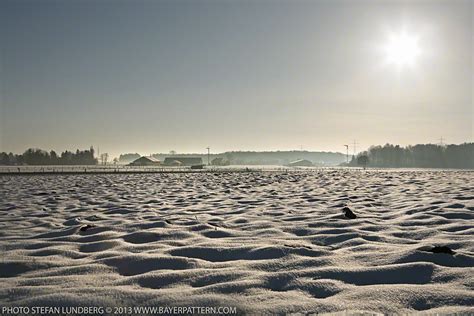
x,y
347,153
208,156
441,143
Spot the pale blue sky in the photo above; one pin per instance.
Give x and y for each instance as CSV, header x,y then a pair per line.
x,y
151,76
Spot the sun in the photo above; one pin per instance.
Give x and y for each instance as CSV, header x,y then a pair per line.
x,y
402,49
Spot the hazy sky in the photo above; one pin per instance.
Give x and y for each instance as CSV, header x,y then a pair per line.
x,y
152,76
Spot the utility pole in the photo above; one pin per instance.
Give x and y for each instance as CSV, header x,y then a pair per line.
x,y
347,153
441,141
208,156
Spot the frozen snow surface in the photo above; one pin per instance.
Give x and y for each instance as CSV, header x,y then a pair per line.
x,y
264,242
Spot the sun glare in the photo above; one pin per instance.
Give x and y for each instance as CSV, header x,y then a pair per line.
x,y
402,49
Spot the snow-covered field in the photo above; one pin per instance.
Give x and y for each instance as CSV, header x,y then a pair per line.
x,y
264,242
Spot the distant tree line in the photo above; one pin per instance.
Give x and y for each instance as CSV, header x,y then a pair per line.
x,y
419,156
34,156
266,157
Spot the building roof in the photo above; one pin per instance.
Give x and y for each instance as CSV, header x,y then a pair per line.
x,y
187,161
150,158
301,162
144,159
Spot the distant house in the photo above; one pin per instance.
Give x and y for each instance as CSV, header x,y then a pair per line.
x,y
300,163
219,161
173,163
145,161
183,161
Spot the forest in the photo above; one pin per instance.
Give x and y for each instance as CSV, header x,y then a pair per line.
x,y
420,156
34,156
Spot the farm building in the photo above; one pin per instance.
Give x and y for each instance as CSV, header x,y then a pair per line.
x,y
219,161
183,161
300,163
145,161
